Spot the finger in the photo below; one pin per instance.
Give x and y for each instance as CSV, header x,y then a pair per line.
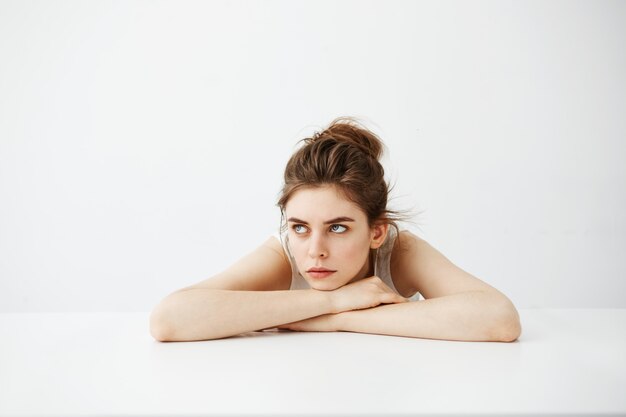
x,y
395,298
389,297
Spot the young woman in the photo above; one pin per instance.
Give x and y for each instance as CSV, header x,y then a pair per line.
x,y
339,263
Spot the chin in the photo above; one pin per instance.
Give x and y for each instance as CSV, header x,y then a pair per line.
x,y
323,286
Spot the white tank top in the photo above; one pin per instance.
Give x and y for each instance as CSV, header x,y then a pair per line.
x,y
382,262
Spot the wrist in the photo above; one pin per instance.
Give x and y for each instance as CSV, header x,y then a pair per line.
x,y
340,321
328,300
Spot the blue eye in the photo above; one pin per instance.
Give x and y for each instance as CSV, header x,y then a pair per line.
x,y
338,228
299,229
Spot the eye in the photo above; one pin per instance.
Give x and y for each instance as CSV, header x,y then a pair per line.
x,y
338,228
299,229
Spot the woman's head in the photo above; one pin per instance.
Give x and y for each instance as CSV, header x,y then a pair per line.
x,y
335,176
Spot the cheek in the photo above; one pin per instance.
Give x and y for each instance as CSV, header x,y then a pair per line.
x,y
353,253
299,251
296,246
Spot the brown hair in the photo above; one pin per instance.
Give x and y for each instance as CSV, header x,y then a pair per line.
x,y
346,155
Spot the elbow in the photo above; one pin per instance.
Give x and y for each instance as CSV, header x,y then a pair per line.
x,y
510,332
173,321
160,329
507,327
178,318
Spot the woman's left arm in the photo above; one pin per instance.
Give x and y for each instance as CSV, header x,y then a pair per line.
x,y
457,305
470,316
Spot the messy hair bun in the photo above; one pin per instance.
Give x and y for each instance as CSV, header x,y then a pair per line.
x,y
347,129
345,154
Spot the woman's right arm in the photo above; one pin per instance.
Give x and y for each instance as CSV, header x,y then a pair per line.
x,y
250,295
253,294
205,313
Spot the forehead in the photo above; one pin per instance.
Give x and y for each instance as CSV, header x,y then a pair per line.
x,y
322,203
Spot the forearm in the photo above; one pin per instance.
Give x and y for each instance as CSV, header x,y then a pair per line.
x,y
202,314
472,316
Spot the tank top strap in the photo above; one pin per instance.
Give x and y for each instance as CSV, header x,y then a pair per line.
x,y
297,281
382,262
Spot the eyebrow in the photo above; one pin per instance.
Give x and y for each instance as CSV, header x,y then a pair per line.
x,y
335,220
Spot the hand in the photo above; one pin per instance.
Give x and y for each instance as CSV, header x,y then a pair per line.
x,y
323,323
365,293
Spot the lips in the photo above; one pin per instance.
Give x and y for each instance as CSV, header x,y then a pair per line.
x,y
316,269
319,273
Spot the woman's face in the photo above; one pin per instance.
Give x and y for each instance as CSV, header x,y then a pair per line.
x,y
328,232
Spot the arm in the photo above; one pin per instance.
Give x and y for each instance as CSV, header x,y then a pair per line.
x,y
470,316
458,306
206,313
252,294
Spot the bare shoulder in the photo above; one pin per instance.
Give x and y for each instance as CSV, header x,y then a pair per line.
x,y
266,268
418,265
405,246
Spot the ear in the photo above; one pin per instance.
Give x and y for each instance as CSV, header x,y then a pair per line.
x,y
378,234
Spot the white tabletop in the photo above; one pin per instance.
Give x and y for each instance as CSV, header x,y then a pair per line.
x,y
79,364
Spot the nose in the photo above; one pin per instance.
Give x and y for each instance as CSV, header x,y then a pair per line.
x,y
317,246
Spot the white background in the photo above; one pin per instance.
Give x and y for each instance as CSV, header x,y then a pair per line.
x,y
142,143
